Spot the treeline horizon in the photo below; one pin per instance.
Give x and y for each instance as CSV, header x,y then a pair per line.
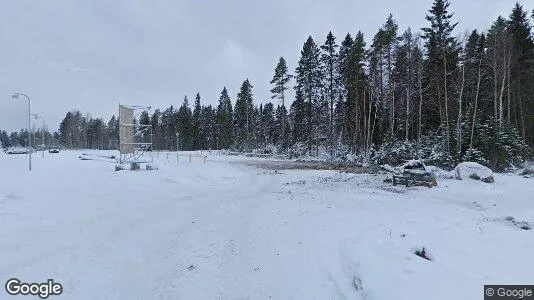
x,y
413,94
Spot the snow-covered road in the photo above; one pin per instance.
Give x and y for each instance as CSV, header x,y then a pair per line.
x,y
229,230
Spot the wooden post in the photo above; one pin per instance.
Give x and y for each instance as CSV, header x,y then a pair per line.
x,y
189,157
204,158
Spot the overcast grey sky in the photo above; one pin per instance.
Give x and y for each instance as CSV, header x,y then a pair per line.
x,y
93,54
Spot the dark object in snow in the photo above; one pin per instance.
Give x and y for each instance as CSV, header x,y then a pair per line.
x,y
53,150
358,284
191,267
474,176
422,253
150,167
424,179
414,173
513,222
519,224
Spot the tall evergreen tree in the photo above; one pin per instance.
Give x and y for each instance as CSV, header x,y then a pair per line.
x,y
224,120
355,90
243,116
280,80
521,72
442,58
185,126
309,82
330,66
298,116
196,123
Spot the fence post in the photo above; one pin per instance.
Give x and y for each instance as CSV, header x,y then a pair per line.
x,y
204,158
189,157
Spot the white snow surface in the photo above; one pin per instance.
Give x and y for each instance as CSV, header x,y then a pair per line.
x,y
229,230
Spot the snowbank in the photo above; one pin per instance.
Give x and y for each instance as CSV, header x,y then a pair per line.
x,y
473,170
440,173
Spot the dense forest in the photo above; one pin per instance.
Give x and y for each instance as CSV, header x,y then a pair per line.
x,y
402,94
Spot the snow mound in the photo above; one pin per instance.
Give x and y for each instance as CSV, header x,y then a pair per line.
x,y
411,166
473,170
388,168
440,173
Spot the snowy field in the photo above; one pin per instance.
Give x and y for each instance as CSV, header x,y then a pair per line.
x,y
226,229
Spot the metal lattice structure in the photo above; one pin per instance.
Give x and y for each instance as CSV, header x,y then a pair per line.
x,y
134,139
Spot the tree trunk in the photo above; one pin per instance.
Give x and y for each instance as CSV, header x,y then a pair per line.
x,y
392,109
495,87
447,132
509,97
475,108
419,133
406,125
459,122
500,114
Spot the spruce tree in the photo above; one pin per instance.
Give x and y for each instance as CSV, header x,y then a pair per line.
x,y
442,58
282,128
243,116
268,124
185,124
521,71
298,116
224,120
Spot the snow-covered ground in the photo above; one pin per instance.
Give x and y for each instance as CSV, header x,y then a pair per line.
x,y
229,230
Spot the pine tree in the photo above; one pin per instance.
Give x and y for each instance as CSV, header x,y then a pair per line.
x,y
309,79
341,113
355,90
280,80
329,60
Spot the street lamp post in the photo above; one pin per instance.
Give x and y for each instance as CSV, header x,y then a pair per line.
x,y
16,96
36,116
